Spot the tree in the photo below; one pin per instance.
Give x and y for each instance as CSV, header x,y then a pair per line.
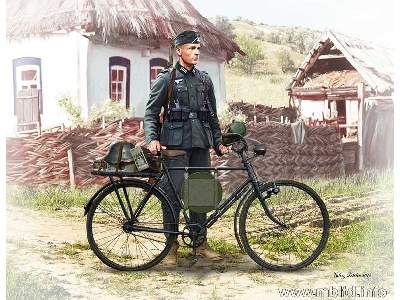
x,y
224,26
285,61
251,47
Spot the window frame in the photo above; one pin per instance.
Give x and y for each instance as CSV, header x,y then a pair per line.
x,y
114,63
118,81
157,63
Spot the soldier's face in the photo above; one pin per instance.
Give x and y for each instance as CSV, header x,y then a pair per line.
x,y
189,53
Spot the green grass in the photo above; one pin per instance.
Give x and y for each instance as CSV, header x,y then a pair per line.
x,y
47,197
370,238
351,185
73,249
22,285
266,89
225,248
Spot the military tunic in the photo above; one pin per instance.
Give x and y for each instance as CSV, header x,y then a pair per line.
x,y
192,91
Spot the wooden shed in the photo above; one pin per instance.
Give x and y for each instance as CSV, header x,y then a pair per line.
x,y
348,83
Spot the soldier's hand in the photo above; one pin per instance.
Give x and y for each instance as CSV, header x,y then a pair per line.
x,y
224,150
155,147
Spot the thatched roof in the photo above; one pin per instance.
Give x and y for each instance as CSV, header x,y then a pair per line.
x,y
335,79
132,22
338,52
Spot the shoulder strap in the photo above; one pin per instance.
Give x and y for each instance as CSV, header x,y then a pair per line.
x,y
170,85
169,92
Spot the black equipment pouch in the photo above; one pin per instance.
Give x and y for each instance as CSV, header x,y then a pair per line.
x,y
203,115
175,114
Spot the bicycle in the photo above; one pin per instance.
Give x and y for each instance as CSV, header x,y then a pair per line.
x,y
282,225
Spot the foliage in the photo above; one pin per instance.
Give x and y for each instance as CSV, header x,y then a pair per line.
x,y
286,62
223,24
274,37
251,47
259,35
110,110
226,116
49,197
71,109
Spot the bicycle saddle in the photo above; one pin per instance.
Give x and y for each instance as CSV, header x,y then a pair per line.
x,y
119,152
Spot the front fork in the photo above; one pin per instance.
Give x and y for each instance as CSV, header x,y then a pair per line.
x,y
263,200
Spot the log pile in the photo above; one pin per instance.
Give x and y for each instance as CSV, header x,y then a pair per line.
x,y
262,111
43,160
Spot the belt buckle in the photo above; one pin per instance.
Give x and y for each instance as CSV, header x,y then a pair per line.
x,y
192,115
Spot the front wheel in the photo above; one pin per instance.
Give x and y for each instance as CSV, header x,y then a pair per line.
x,y
290,247
115,239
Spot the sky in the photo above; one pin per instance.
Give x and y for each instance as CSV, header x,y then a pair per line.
x,y
366,19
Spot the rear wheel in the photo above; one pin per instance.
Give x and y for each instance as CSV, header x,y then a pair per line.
x,y
282,248
115,240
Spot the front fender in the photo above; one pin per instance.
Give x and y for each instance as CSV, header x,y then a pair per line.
x,y
90,202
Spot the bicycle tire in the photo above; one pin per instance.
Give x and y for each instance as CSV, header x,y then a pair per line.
x,y
275,246
106,213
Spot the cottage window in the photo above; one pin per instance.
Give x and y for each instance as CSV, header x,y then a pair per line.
x,y
119,84
28,77
156,66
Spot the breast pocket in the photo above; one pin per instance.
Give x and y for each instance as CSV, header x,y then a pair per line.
x,y
200,90
181,92
172,134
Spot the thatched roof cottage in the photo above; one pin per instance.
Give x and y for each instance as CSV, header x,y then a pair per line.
x,y
348,83
92,50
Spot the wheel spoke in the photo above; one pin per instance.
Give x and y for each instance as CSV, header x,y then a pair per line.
x,y
278,248
111,235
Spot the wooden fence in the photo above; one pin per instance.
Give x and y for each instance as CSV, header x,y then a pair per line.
x,y
45,159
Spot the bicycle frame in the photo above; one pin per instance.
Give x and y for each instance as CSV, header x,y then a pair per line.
x,y
227,203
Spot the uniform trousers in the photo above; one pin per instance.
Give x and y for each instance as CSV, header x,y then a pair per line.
x,y
195,157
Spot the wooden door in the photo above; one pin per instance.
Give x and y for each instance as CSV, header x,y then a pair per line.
x,y
27,109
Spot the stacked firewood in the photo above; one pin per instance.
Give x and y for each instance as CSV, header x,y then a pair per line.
x,y
44,159
263,112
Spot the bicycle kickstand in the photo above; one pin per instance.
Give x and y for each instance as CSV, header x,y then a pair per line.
x,y
195,257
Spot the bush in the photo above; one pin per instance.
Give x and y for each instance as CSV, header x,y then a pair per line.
x,y
253,51
226,116
110,110
71,109
274,37
286,62
259,35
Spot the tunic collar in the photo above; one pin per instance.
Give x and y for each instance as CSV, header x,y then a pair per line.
x,y
183,70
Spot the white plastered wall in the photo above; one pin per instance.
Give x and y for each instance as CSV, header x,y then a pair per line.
x,y
63,74
98,73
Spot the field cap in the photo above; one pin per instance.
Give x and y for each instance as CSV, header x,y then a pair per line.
x,y
187,37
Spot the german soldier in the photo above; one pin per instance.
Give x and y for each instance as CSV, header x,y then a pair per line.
x,y
191,124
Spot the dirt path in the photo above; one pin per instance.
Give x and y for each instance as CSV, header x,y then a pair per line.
x,y
55,247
